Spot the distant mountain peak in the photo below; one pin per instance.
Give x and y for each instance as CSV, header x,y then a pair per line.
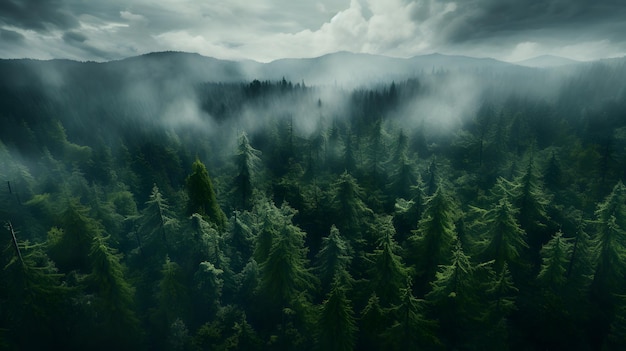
x,y
545,61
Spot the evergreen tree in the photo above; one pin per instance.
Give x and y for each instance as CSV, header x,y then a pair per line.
x,y
387,273
432,241
531,202
114,302
247,162
372,324
501,293
610,241
350,212
336,324
33,299
284,274
410,330
504,239
455,300
406,212
173,297
610,246
556,255
69,246
333,260
202,197
239,240
156,226
208,290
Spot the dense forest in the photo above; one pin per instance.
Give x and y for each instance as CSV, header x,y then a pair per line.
x,y
472,208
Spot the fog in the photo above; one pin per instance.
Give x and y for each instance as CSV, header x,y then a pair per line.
x,y
212,101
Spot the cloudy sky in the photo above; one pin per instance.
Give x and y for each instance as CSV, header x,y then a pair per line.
x,y
266,30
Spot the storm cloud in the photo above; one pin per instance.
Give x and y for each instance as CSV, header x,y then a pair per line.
x,y
266,30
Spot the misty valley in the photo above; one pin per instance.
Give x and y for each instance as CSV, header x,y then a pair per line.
x,y
172,201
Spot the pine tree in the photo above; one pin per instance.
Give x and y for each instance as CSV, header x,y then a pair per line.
x,y
502,294
69,245
208,290
333,260
610,241
504,239
336,324
156,227
33,298
410,329
284,274
532,202
202,197
114,302
372,324
248,162
173,295
239,240
432,242
556,254
610,246
454,298
350,212
406,212
387,273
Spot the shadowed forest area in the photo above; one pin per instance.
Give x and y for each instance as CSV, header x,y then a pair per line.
x,y
474,209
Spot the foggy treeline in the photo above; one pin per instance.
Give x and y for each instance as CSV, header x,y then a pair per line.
x,y
470,207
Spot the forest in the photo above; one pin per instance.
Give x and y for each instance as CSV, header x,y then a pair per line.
x,y
471,208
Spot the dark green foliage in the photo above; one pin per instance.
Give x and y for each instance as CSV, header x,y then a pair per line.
x,y
284,274
69,245
454,297
432,241
114,298
387,273
372,324
336,324
506,221
32,297
504,240
247,162
410,330
333,260
202,197
350,213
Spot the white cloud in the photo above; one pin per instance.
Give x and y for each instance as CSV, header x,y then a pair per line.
x,y
127,15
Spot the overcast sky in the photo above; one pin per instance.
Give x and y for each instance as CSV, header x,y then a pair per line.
x,y
266,30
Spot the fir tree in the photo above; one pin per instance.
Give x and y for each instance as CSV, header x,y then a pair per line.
x,y
454,298
114,302
33,298
202,197
247,162
387,273
435,234
504,239
284,274
350,212
333,260
410,329
336,324
532,216
556,255
372,324
156,226
69,245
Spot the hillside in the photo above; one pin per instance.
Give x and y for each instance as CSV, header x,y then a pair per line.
x,y
172,201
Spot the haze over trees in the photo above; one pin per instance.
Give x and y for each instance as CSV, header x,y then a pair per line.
x,y
471,206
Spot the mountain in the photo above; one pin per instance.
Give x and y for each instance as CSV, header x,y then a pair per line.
x,y
547,61
342,68
346,67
